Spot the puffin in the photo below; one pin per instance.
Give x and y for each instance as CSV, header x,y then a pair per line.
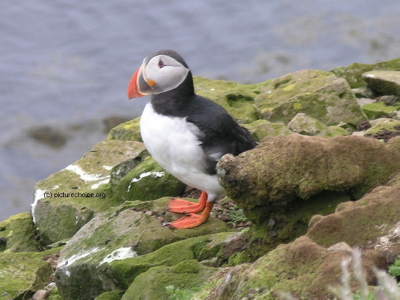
x,y
185,133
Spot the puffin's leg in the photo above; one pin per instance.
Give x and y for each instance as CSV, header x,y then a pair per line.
x,y
192,220
184,206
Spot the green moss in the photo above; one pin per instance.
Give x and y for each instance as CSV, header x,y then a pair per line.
x,y
112,295
22,274
201,248
378,110
128,131
384,124
152,284
17,234
262,128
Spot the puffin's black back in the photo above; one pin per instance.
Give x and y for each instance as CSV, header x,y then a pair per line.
x,y
221,133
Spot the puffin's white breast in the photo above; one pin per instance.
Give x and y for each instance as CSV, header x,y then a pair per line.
x,y
173,143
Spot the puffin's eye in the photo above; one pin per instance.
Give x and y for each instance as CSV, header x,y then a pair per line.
x,y
160,64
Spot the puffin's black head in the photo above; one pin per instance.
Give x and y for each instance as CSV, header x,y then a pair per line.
x,y
160,72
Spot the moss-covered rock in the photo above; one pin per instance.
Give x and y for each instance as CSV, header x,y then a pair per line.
x,y
236,98
125,229
383,128
285,177
68,199
353,73
147,181
306,267
17,234
320,95
111,295
153,284
21,274
127,131
303,124
378,110
262,128
201,248
360,222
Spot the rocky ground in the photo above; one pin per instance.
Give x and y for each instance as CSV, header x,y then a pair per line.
x,y
324,179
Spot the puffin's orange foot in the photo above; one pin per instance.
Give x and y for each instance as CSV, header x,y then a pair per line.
x,y
189,221
192,220
184,206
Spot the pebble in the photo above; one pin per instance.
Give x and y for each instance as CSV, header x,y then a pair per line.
x,y
40,294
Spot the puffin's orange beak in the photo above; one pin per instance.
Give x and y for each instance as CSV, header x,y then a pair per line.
x,y
138,86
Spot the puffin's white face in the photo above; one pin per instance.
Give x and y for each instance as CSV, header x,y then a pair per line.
x,y
165,73
160,74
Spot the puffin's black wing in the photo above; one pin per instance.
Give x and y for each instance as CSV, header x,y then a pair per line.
x,y
220,134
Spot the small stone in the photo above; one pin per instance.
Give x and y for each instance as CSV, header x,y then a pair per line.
x,y
53,263
149,213
389,100
342,246
364,125
271,222
40,294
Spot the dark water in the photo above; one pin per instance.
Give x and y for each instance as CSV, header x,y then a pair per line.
x,y
66,64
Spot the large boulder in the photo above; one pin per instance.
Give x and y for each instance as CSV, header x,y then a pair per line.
x,y
308,266
286,179
123,232
68,199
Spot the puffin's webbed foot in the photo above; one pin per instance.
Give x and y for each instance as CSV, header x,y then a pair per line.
x,y
184,206
192,220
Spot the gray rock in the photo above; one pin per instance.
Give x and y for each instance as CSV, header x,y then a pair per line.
x,y
383,82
